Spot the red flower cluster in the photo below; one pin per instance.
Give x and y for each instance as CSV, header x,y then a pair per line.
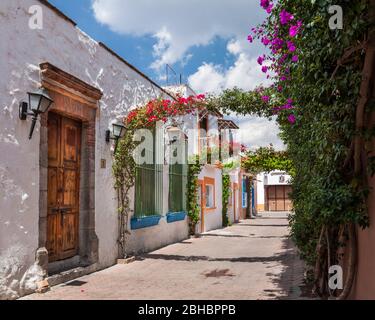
x,y
162,109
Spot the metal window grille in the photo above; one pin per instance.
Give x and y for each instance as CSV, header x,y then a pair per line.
x,y
149,182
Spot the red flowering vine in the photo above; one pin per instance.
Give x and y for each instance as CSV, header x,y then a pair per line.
x,y
163,109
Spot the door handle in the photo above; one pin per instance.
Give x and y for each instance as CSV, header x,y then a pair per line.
x,y
65,210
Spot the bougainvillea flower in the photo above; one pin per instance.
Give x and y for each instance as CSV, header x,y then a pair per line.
x,y
264,69
293,31
261,60
286,107
250,38
292,119
295,58
291,46
265,3
266,41
269,9
266,99
285,17
277,43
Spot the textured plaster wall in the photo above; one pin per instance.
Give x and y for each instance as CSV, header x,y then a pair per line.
x,y
213,219
273,179
234,178
260,197
21,52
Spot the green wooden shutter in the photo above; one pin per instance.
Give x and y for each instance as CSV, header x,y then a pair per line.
x,y
178,185
149,183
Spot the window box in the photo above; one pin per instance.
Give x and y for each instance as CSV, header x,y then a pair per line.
x,y
176,216
146,222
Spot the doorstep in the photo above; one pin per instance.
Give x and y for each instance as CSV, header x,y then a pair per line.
x,y
71,274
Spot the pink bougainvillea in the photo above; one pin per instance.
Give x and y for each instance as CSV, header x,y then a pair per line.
x,y
292,119
282,42
285,17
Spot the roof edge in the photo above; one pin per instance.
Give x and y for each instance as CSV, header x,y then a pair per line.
x,y
65,17
58,11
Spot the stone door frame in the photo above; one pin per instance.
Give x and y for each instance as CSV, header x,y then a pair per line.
x,y
77,100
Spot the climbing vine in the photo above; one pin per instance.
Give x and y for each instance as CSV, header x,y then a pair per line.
x,y
320,98
124,166
267,159
193,207
225,198
124,173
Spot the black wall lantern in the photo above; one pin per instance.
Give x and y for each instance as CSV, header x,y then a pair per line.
x,y
39,102
118,131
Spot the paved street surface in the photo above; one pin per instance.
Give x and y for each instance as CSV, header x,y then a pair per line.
x,y
251,260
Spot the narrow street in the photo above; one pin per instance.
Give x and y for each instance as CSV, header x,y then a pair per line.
x,y
251,260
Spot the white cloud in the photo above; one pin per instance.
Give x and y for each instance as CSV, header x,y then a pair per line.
x,y
208,78
245,73
260,132
178,25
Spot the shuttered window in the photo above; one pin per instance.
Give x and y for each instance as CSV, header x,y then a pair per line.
x,y
178,184
177,187
149,183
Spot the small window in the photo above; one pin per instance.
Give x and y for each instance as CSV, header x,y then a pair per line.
x,y
244,200
210,200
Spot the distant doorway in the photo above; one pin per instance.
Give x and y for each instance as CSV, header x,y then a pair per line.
x,y
278,199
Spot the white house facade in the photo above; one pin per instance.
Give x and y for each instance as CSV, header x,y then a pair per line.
x,y
272,191
58,206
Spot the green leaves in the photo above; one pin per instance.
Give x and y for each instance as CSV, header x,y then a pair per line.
x,y
225,198
267,159
325,89
193,207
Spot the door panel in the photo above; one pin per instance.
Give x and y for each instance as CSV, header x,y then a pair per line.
x,y
52,187
52,230
64,147
278,198
69,236
70,188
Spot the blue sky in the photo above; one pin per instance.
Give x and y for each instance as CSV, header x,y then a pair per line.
x,y
138,50
204,40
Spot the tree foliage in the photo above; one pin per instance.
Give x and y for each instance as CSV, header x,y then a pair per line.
x,y
320,111
267,159
225,198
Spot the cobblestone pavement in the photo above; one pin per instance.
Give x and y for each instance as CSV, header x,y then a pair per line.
x,y
250,260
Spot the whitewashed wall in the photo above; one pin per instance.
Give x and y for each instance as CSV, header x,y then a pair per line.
x,y
213,219
21,52
273,178
259,194
234,178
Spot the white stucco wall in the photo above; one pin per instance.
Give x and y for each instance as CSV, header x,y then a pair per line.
x,y
273,178
234,178
68,48
259,194
213,218
268,179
